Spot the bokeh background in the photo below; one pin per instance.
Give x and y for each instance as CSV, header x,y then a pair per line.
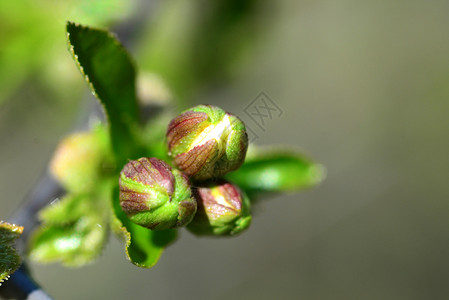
x,y
364,89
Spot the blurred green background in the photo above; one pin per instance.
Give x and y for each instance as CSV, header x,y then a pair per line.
x,y
364,89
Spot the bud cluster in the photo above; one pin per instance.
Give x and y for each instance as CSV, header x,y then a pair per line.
x,y
204,143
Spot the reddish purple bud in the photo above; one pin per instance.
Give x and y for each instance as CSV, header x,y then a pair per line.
x,y
155,196
222,210
206,142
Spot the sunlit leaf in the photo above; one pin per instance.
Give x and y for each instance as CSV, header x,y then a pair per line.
x,y
110,73
9,258
73,245
66,211
144,247
74,229
277,170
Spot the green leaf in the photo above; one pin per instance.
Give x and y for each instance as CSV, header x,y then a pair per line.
x,y
108,69
276,170
74,230
144,247
66,211
154,136
73,245
9,258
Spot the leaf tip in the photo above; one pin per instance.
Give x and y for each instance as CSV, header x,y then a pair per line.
x,y
69,25
318,174
13,228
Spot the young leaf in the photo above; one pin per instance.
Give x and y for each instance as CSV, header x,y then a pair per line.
x,y
276,170
73,245
9,258
66,211
144,247
108,69
74,230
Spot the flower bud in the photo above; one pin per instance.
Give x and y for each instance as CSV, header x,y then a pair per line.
x,y
81,158
155,196
206,142
222,210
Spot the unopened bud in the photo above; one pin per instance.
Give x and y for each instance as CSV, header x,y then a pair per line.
x,y
222,210
154,195
81,158
206,142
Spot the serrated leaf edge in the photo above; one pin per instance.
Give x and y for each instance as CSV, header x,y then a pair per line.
x,y
71,49
15,229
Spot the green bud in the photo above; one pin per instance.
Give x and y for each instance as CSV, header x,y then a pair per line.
x,y
222,210
81,158
155,196
207,142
